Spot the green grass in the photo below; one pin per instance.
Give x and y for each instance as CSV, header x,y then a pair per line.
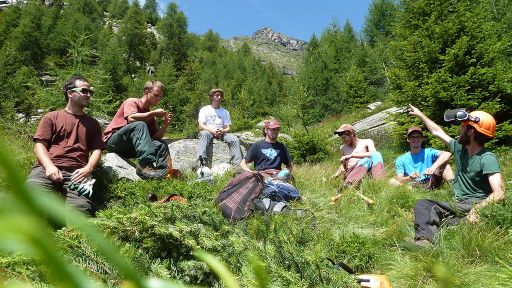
x,y
160,239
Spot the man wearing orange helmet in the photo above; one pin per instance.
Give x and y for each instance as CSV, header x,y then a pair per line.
x,y
478,179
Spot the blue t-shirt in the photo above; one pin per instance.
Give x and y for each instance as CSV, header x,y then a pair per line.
x,y
408,163
267,155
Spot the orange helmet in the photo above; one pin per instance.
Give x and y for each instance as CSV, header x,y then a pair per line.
x,y
483,123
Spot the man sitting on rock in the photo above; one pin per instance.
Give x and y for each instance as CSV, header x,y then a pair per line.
x,y
63,141
269,155
214,122
425,167
134,132
358,156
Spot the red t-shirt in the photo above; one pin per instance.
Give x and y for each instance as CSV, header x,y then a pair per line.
x,y
130,106
70,138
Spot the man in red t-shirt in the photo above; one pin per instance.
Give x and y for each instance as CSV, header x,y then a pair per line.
x,y
133,132
63,141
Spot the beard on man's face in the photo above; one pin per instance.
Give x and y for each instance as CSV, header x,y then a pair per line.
x,y
464,138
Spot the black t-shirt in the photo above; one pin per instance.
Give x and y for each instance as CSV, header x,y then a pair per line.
x,y
267,155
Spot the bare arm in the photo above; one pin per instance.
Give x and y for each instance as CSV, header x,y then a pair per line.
x,y
158,113
245,166
497,194
405,179
226,129
289,166
443,157
144,116
431,126
370,147
161,131
341,169
81,174
52,172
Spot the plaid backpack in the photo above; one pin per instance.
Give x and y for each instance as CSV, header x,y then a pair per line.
x,y
236,199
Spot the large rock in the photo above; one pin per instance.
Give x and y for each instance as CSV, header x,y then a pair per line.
x,y
117,167
375,121
377,127
247,138
183,154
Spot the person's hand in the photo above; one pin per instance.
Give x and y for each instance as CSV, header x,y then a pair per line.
x,y
414,111
414,175
79,175
54,174
472,216
217,134
345,158
167,118
160,113
429,171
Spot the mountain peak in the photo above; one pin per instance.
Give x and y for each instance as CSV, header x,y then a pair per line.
x,y
268,35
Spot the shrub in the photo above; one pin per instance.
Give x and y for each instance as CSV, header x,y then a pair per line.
x,y
306,146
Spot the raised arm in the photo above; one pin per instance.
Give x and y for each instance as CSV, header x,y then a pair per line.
x,y
431,126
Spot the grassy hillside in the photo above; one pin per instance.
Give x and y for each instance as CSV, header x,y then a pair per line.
x,y
159,238
283,58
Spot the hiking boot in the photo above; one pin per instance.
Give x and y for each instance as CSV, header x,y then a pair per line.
x,y
148,171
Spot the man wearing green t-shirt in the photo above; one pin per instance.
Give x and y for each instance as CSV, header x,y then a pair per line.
x,y
478,179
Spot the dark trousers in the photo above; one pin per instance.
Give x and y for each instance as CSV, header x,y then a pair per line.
x,y
429,215
38,177
134,141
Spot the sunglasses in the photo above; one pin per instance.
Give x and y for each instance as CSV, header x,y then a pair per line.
x,y
83,91
342,133
459,115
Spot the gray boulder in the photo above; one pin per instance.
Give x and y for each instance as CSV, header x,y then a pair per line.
x,y
117,167
375,121
183,154
373,106
378,126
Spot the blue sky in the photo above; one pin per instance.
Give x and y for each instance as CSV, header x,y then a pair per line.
x,y
296,18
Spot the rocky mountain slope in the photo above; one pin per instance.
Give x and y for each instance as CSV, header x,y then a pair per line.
x,y
284,52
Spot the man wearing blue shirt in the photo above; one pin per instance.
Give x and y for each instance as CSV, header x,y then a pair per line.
x,y
425,167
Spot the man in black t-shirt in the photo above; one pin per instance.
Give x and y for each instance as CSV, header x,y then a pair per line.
x,y
268,155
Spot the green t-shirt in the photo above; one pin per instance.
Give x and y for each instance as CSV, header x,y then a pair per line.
x,y
471,179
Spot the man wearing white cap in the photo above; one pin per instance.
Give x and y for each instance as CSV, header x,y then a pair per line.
x,y
358,156
426,167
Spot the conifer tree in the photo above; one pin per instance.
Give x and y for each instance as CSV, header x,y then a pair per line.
x,y
112,69
175,44
134,38
118,9
150,8
27,37
380,21
9,20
